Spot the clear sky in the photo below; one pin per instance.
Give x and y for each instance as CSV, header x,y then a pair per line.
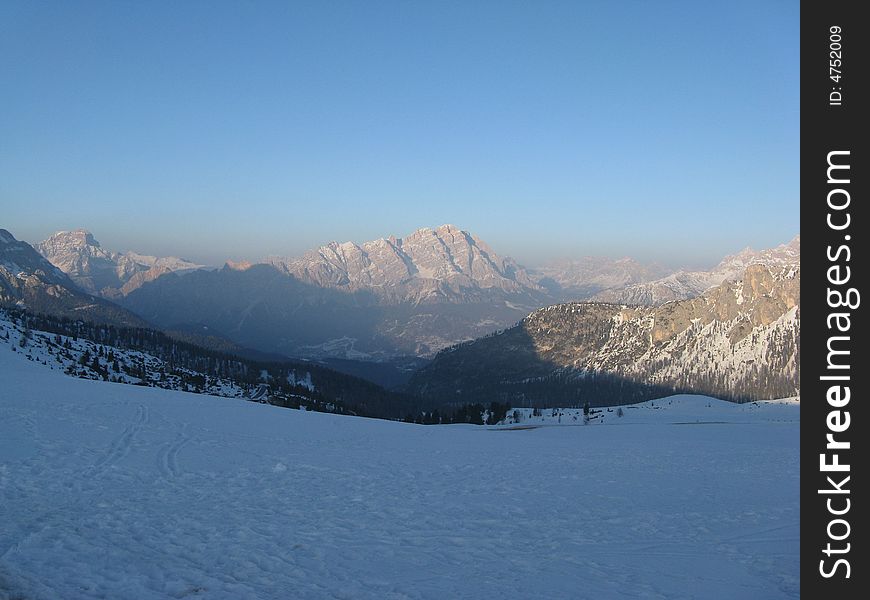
x,y
212,130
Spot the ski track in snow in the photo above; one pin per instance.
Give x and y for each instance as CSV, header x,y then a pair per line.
x,y
167,457
117,491
120,447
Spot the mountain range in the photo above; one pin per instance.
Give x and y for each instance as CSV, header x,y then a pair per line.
x,y
578,279
102,272
379,300
445,264
28,280
682,284
496,331
739,340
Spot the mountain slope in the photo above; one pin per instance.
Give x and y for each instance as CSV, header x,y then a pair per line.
x,y
738,341
102,272
29,281
689,284
147,357
430,265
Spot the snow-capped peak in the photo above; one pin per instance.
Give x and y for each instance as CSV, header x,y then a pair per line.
x,y
100,271
446,254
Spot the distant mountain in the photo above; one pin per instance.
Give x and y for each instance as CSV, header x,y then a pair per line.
x,y
738,341
445,264
27,280
102,272
378,300
689,284
580,279
382,299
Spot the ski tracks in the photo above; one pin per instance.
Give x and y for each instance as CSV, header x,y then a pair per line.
x,y
120,446
167,457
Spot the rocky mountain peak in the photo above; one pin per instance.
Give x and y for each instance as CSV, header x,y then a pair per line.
x,y
99,271
437,263
78,241
81,236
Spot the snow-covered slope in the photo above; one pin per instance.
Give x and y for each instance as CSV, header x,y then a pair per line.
x,y
18,260
85,359
149,358
115,491
682,409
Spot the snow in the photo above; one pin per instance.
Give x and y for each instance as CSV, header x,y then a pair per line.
x,y
305,382
683,409
119,491
65,353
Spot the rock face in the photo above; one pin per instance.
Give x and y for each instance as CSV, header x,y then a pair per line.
x,y
102,272
430,265
738,341
689,284
27,280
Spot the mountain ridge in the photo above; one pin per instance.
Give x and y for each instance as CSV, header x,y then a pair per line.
x,y
427,264
381,299
103,272
737,341
29,280
682,284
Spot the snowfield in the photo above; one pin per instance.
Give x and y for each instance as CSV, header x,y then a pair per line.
x,y
118,491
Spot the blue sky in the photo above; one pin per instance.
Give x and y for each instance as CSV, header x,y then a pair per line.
x,y
213,130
